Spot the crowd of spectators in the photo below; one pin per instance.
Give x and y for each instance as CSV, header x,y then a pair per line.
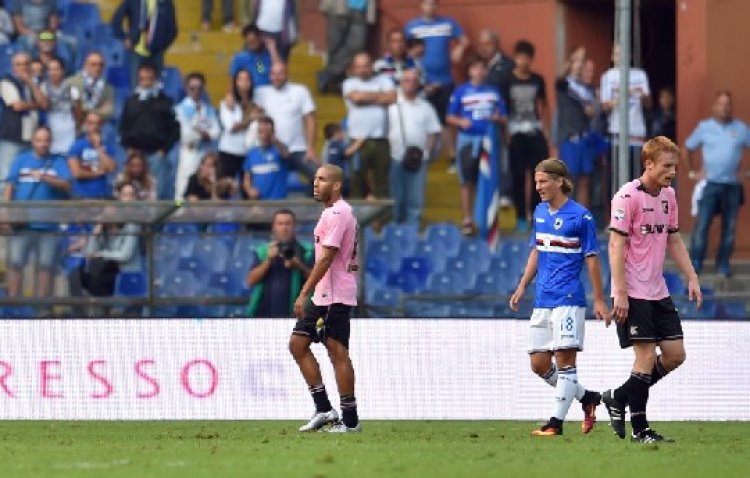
x,y
404,110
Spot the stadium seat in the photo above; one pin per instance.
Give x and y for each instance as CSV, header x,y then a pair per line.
x,y
171,79
421,267
6,53
476,252
426,249
227,282
180,228
179,284
402,236
444,237
235,311
408,282
385,297
246,246
426,309
212,252
83,13
377,268
113,52
131,284
464,271
390,253
674,283
238,268
370,234
472,310
443,283
103,33
492,283
191,264
732,310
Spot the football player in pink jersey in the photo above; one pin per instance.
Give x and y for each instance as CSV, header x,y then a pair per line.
x,y
643,227
324,317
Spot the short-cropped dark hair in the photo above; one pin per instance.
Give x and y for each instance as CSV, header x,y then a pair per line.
x,y
524,47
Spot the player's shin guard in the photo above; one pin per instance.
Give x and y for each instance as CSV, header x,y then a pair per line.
x,y
349,411
637,400
320,397
565,391
659,371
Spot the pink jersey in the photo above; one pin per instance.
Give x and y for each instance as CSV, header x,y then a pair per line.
x,y
337,229
647,221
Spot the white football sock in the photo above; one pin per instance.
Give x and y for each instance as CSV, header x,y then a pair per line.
x,y
565,391
551,376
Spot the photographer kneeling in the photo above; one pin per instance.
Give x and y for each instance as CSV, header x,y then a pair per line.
x,y
281,267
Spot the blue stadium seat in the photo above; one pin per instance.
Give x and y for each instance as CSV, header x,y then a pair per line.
x,y
426,309
370,234
732,310
407,282
476,252
213,253
385,297
131,284
515,251
499,264
191,264
180,228
113,52
674,283
179,284
464,271
119,78
171,79
6,53
443,283
235,311
492,283
426,249
709,310
103,33
229,283
390,253
402,236
83,13
472,310
421,267
246,246
238,268
444,237
377,268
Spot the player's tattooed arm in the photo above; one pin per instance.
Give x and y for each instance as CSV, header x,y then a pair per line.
x,y
528,275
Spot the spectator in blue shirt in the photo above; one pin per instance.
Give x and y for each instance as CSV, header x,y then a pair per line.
x,y
35,175
90,161
395,61
257,57
445,42
722,140
474,108
265,165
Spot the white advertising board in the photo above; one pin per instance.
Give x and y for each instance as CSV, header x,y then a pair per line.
x,y
406,369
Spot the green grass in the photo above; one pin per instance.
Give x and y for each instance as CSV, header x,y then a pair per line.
x,y
384,449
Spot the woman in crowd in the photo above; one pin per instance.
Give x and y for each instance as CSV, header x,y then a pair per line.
x,y
137,175
237,112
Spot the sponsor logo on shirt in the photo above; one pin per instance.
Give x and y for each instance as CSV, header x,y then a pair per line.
x,y
665,207
619,214
653,229
558,223
439,30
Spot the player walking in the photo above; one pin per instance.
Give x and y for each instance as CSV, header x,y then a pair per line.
x,y
325,318
644,225
563,237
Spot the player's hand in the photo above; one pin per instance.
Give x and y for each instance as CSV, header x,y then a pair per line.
x,y
516,297
299,307
601,312
465,123
694,292
620,310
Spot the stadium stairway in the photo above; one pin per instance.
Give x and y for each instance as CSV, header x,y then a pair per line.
x,y
211,52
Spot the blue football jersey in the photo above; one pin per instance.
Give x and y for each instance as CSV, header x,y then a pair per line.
x,y
563,240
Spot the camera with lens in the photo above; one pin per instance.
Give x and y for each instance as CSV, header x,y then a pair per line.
x,y
287,250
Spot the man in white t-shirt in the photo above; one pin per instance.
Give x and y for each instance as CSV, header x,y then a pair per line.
x,y
413,122
367,98
292,110
639,98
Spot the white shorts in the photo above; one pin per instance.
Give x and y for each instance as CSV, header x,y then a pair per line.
x,y
557,329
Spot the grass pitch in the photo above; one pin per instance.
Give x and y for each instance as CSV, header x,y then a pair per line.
x,y
384,449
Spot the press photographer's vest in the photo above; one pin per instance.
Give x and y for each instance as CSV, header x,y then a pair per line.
x,y
295,286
